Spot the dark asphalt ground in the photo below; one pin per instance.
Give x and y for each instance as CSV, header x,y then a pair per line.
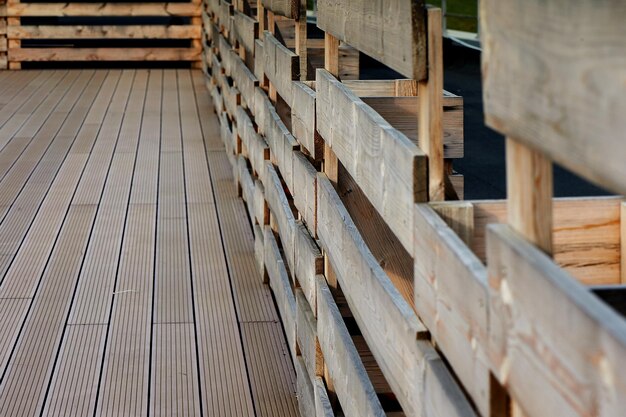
x,y
483,165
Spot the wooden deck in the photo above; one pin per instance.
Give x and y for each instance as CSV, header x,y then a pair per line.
x,y
128,283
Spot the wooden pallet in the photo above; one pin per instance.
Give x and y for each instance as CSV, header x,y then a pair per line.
x,y
112,32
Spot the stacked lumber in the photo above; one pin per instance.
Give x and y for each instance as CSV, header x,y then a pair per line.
x,y
3,36
394,300
115,31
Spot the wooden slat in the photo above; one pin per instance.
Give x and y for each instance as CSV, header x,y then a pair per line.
x,y
306,395
389,168
303,120
308,262
350,381
280,65
586,235
323,407
246,30
244,79
306,335
103,54
402,114
530,300
105,32
393,32
103,9
281,285
257,149
305,190
447,273
550,116
287,8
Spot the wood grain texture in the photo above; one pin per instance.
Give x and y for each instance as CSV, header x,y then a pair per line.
x,y
306,336
389,325
104,31
303,119
308,262
448,274
532,301
104,54
403,114
577,128
390,31
287,8
103,9
354,389
586,235
389,168
246,31
244,79
280,65
305,191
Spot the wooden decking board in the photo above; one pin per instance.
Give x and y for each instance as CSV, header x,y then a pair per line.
x,y
124,380
12,87
125,372
130,269
223,373
23,276
45,93
253,298
271,370
78,363
174,380
26,378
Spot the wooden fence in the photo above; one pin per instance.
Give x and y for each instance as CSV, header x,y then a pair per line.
x,y
393,300
116,31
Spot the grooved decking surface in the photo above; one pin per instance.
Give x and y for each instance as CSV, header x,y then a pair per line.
x,y
128,283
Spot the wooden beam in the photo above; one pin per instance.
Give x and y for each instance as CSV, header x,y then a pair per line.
x,y
104,54
105,31
578,128
392,32
103,9
430,115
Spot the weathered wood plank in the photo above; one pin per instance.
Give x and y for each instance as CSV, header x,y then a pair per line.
x,y
281,66
256,147
287,8
323,407
354,389
281,285
306,336
244,79
105,32
402,114
451,298
303,120
576,127
104,54
305,191
390,31
308,262
586,235
532,302
385,316
389,168
246,31
306,394
104,9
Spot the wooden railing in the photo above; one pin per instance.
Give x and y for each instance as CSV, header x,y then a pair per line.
x,y
117,31
393,300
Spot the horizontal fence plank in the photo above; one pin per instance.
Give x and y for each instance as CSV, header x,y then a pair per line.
x,y
389,168
586,235
567,100
306,395
390,31
244,79
281,285
104,54
303,120
534,307
105,32
308,262
287,8
451,298
305,190
281,212
103,9
246,31
256,147
306,335
323,407
352,385
281,66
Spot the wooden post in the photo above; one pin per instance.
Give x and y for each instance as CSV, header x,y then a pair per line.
x,y
331,64
301,39
260,16
623,242
430,122
271,22
529,194
529,202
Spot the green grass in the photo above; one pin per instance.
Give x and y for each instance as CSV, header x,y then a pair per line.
x,y
463,7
